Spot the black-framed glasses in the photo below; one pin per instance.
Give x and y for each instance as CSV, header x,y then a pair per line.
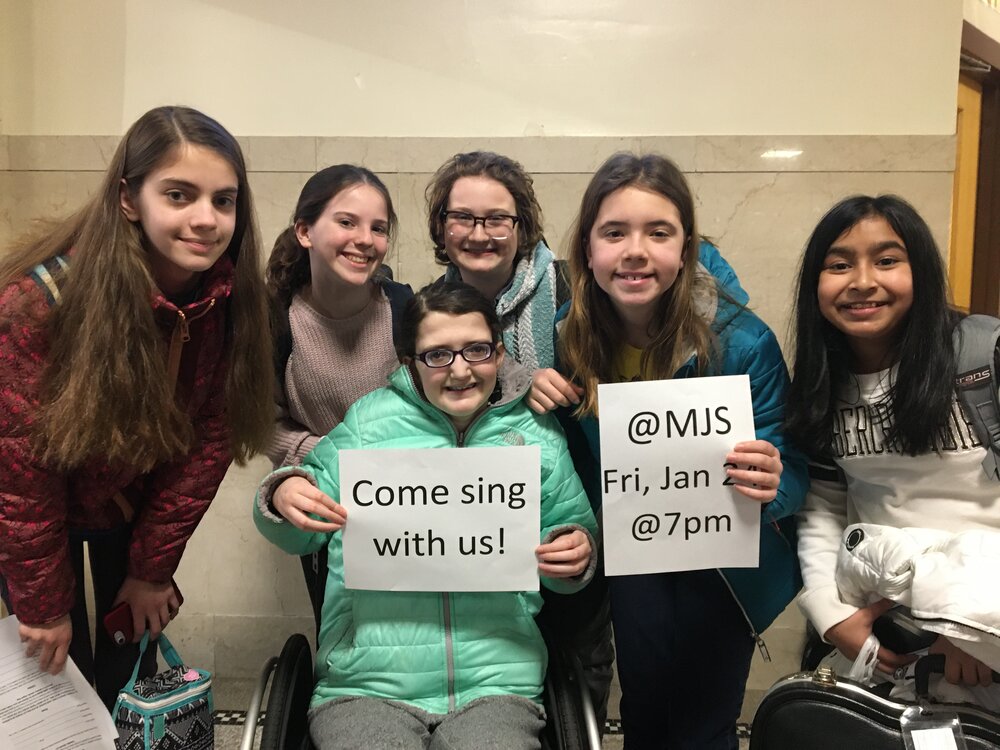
x,y
496,226
473,353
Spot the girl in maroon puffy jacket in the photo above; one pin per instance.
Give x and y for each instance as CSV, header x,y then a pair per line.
x,y
134,366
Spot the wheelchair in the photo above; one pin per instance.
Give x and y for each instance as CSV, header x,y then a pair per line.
x,y
571,722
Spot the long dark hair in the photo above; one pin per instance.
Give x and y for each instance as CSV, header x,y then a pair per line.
x,y
591,335
922,394
105,390
288,266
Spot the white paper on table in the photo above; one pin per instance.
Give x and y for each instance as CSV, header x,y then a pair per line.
x,y
663,474
47,712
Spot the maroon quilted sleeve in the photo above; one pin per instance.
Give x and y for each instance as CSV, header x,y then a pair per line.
x,y
180,492
34,552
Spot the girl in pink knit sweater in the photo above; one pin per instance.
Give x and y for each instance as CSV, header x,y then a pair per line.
x,y
334,314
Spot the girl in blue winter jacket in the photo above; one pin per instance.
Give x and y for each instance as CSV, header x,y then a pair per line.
x,y
642,310
465,668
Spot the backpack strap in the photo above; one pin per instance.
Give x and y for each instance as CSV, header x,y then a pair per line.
x,y
281,332
977,355
397,294
50,276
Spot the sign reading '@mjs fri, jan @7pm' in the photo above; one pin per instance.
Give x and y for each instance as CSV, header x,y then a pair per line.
x,y
441,519
668,503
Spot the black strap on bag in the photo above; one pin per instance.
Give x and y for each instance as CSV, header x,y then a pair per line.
x,y
977,355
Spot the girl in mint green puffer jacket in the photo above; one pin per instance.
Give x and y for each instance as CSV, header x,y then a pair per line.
x,y
414,662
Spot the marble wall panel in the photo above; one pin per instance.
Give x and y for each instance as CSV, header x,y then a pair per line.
x,y
761,221
61,153
414,255
265,154
559,196
817,153
26,196
275,195
246,573
381,155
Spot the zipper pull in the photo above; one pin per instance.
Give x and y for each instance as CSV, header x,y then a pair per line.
x,y
762,647
184,327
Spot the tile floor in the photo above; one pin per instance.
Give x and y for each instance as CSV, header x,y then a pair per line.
x,y
234,695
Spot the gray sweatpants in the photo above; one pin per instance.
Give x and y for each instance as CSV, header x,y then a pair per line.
x,y
502,722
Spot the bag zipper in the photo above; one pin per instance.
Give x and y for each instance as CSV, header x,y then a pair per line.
x,y
193,688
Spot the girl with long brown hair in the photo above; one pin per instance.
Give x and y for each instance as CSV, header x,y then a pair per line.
x,y
642,309
134,367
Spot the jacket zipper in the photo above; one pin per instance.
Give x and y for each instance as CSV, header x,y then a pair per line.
x,y
180,336
449,645
449,648
761,646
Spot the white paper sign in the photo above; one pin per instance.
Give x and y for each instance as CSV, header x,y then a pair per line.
x,y
441,519
667,506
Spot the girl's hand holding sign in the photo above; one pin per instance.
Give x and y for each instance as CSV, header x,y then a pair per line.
x,y
296,498
565,556
760,479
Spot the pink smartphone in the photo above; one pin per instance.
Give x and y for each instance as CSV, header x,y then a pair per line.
x,y
118,622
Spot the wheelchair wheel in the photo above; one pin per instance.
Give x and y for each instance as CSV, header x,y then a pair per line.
x,y
564,728
285,725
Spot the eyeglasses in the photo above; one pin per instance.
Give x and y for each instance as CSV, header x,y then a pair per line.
x,y
496,226
472,353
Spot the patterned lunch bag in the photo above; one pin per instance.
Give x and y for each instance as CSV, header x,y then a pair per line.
x,y
168,711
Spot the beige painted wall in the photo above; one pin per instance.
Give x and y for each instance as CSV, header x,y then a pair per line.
x,y
501,68
983,17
